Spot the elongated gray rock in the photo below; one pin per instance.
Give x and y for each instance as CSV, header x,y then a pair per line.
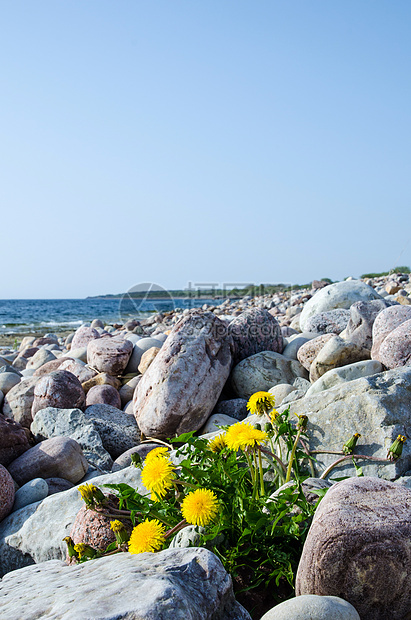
x,y
262,371
358,548
180,388
377,407
176,583
338,295
337,376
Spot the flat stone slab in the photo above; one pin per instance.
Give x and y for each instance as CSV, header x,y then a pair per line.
x,y
182,584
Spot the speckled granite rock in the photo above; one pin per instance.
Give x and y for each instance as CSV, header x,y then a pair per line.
x,y
307,353
118,431
395,350
103,395
83,336
358,548
19,401
386,322
331,322
59,389
92,528
176,583
253,331
13,440
109,355
6,493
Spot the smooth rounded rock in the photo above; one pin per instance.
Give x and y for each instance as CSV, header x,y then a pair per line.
x,y
103,395
8,380
336,376
80,354
313,607
330,322
140,347
309,350
13,440
362,317
253,331
386,322
335,353
110,355
83,336
6,493
235,408
215,421
280,391
31,492
59,389
41,357
295,342
78,369
49,367
127,390
395,349
57,485
147,358
19,400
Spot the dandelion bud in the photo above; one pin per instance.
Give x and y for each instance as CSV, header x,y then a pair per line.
x,y
302,422
349,445
395,451
120,531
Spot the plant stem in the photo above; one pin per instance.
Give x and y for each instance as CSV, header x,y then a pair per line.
x,y
352,456
176,528
275,457
290,463
260,466
306,450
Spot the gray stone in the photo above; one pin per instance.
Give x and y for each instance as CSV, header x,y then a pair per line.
x,y
253,331
295,342
362,317
301,388
9,368
109,355
8,380
124,460
127,390
262,371
18,402
337,376
181,387
73,423
309,350
175,583
33,491
313,607
338,295
80,353
118,431
188,537
57,485
330,322
335,353
41,357
140,346
377,407
280,391
235,408
59,456
358,548
35,533
216,420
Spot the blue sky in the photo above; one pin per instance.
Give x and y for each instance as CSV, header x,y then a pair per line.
x,y
180,141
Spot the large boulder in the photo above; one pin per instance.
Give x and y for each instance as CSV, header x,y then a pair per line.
x,y
337,376
175,583
338,295
109,355
362,317
180,388
358,548
335,353
73,423
253,331
83,336
377,407
58,457
262,371
386,322
59,389
19,401
395,350
13,440
6,493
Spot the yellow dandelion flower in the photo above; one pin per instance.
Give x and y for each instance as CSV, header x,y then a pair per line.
x,y
147,536
260,403
116,526
91,494
162,451
273,415
217,444
199,507
242,435
157,476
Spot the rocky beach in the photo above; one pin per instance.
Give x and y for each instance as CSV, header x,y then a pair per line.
x,y
78,407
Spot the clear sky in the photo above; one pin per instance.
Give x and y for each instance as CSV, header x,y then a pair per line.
x,y
214,141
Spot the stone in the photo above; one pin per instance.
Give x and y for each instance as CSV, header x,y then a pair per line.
x,y
80,354
7,368
33,491
338,295
35,533
189,536
140,347
78,369
6,493
57,485
40,342
309,350
362,317
101,379
392,287
358,548
395,349
13,440
404,301
59,456
262,371
215,421
301,387
92,528
20,363
49,367
280,391
19,400
330,322
235,408
83,336
41,357
377,407
313,607
109,355
147,358
127,390
124,460
59,389
337,376
386,322
335,353
28,352
95,323
118,431
182,385
175,583
8,380
295,342
253,331
73,423
103,395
